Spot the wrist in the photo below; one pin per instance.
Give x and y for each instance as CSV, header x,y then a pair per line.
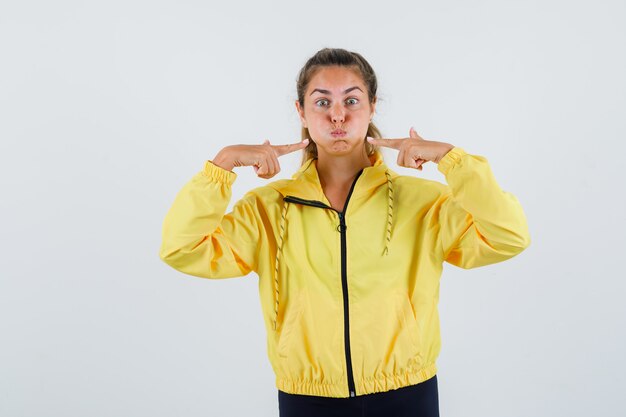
x,y
222,161
446,148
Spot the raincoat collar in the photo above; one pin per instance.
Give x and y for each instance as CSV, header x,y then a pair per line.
x,y
305,182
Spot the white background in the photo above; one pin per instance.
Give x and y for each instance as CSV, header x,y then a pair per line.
x,y
108,108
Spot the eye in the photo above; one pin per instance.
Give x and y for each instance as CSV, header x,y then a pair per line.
x,y
319,101
354,101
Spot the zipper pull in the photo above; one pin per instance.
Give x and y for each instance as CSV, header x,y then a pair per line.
x,y
342,223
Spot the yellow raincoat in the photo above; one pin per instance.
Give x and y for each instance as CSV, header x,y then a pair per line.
x,y
349,299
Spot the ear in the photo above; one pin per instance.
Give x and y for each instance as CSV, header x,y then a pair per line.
x,y
373,108
301,113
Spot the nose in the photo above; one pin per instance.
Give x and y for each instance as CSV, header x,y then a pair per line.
x,y
337,114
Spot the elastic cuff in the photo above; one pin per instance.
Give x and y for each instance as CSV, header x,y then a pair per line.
x,y
218,174
450,159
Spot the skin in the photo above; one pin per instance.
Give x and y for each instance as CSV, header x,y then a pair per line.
x,y
342,107
414,151
339,158
264,158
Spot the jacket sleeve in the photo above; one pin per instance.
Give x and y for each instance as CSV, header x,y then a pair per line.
x,y
479,223
199,239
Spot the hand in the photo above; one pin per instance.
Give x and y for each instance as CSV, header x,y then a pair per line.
x,y
264,158
414,150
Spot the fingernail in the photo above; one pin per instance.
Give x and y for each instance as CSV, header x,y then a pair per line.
x,y
369,138
412,128
305,141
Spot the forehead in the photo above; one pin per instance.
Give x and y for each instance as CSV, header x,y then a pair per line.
x,y
336,79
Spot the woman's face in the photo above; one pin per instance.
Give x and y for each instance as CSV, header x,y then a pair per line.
x,y
336,110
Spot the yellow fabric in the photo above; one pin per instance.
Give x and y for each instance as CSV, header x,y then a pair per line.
x,y
399,231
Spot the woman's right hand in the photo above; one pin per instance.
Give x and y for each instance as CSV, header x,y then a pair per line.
x,y
264,158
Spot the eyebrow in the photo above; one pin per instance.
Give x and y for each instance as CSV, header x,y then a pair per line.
x,y
319,90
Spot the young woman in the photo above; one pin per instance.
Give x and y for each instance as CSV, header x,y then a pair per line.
x,y
348,253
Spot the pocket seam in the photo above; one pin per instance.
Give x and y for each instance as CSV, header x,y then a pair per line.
x,y
411,322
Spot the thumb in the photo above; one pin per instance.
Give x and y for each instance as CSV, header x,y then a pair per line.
x,y
413,133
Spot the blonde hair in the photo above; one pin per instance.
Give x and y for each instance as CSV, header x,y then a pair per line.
x,y
337,57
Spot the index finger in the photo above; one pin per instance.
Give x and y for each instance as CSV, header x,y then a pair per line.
x,y
291,147
389,143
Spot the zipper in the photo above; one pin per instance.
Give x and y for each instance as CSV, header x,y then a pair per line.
x,y
346,317
344,272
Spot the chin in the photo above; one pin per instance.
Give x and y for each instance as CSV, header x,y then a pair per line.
x,y
340,147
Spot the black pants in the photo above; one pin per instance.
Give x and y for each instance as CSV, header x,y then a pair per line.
x,y
420,400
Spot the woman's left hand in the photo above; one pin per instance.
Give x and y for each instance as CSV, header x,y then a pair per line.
x,y
414,150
